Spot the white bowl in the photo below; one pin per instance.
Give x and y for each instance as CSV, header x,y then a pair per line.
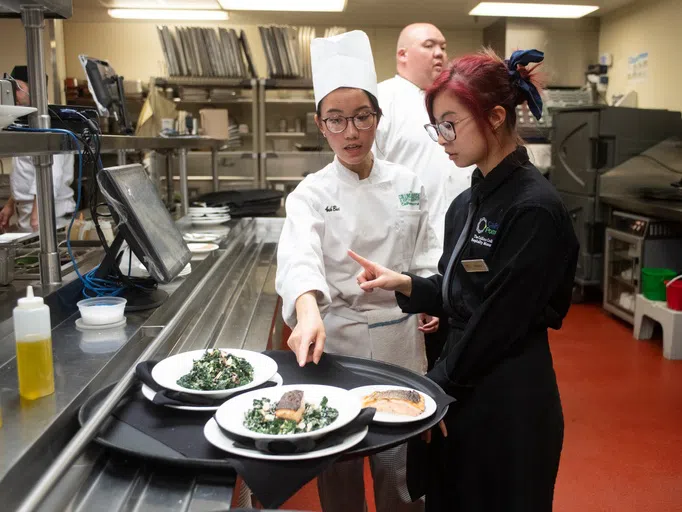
x,y
10,113
167,372
230,415
102,310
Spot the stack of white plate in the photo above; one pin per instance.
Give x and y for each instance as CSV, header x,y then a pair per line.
x,y
168,371
207,216
201,237
230,418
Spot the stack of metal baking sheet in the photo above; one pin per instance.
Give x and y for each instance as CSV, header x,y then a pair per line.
x,y
206,52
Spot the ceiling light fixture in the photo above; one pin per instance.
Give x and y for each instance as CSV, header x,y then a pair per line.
x,y
284,5
167,14
526,10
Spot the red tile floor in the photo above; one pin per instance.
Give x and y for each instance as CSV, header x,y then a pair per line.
x,y
623,411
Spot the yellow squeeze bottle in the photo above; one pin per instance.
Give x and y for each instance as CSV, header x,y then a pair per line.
x,y
33,334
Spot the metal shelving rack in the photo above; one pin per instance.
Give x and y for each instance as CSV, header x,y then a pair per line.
x,y
286,168
228,166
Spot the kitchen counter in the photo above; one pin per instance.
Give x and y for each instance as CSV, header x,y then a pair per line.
x,y
235,308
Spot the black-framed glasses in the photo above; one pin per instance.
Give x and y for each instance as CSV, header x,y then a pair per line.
x,y
362,121
446,129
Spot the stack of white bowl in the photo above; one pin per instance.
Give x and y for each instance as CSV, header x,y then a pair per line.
x,y
209,216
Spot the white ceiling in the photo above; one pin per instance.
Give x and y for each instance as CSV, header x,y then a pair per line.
x,y
447,14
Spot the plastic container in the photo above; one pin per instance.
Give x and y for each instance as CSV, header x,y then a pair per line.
x,y
33,335
102,310
653,282
673,293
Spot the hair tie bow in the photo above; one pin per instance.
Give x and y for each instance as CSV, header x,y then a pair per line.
x,y
523,58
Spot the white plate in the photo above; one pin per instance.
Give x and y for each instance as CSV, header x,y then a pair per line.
x,y
200,237
10,113
384,417
201,248
214,435
209,209
195,213
208,222
149,395
168,371
208,214
230,415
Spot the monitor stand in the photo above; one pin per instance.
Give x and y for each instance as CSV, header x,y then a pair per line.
x,y
138,298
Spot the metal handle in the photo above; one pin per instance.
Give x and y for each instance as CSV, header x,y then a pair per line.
x,y
88,431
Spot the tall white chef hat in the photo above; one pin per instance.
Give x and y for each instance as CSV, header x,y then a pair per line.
x,y
344,60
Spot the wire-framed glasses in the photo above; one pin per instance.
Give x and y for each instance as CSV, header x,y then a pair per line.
x,y
445,128
362,121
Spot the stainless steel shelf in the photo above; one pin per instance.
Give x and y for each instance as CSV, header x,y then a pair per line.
x,y
284,135
246,101
192,81
287,83
624,282
292,101
25,143
311,154
53,8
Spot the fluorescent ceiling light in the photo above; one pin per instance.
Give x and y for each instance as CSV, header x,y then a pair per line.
x,y
284,5
167,14
160,4
526,10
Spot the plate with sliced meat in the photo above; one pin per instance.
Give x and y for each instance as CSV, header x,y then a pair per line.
x,y
396,404
288,412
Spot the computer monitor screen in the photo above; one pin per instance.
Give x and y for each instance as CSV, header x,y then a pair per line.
x,y
144,221
106,88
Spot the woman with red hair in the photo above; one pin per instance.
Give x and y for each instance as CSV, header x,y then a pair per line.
x,y
506,277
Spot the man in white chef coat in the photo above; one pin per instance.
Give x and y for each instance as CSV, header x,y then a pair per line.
x,y
23,200
401,138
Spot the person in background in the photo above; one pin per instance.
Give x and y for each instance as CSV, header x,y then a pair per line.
x,y
506,277
358,202
420,57
23,200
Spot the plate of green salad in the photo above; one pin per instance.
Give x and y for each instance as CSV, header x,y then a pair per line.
x,y
217,372
286,412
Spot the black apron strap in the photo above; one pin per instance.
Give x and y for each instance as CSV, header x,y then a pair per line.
x,y
454,259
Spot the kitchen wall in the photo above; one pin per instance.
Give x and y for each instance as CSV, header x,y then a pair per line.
x,y
569,45
134,50
647,26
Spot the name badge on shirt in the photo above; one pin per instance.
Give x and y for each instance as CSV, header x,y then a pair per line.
x,y
475,266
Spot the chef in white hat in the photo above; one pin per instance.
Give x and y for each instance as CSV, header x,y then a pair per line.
x,y
371,206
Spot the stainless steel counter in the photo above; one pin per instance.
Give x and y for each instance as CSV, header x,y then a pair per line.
x,y
656,208
644,183
235,308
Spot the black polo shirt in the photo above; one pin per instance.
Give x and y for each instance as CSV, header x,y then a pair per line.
x,y
515,273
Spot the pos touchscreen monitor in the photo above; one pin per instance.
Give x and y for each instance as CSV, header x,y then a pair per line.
x,y
143,221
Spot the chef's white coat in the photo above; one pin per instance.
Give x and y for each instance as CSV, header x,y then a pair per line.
x,y
23,186
401,138
383,218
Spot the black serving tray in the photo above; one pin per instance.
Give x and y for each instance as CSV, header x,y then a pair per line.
x,y
122,437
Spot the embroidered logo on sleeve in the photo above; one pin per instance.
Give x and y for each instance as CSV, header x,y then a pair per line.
x,y
486,231
333,208
409,199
